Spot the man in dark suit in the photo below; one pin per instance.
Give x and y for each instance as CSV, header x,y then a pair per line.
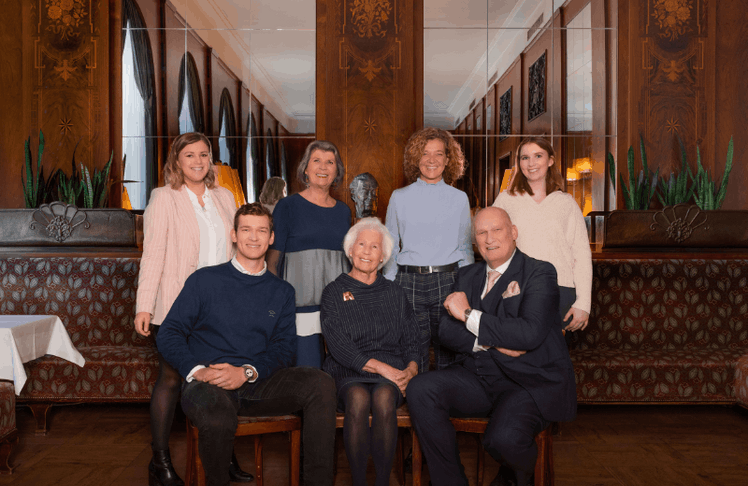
x,y
514,368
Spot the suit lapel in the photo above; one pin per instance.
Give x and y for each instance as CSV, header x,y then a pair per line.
x,y
187,216
492,300
478,282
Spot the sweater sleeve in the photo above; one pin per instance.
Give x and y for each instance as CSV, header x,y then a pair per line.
x,y
281,349
155,234
411,331
466,234
334,329
582,255
390,268
178,326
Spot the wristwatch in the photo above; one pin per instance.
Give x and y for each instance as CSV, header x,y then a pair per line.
x,y
467,313
249,372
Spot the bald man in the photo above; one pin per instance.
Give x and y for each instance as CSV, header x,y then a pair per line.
x,y
514,365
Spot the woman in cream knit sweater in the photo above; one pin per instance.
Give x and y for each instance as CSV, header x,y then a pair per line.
x,y
551,227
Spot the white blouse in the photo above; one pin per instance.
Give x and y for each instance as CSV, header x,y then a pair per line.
x,y
212,230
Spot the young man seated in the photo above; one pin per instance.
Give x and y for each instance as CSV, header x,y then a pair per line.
x,y
231,334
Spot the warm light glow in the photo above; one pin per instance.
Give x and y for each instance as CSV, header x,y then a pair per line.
x,y
505,180
583,164
587,204
126,204
572,175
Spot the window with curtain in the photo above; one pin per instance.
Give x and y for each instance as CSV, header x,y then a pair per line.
x,y
190,97
252,175
138,108
227,131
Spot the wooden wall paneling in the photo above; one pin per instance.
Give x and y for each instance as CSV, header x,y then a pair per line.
x,y
258,110
668,66
16,99
66,64
243,125
512,79
114,31
295,148
731,97
600,105
369,86
491,139
480,151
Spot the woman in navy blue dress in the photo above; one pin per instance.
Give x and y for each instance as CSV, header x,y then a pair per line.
x,y
308,249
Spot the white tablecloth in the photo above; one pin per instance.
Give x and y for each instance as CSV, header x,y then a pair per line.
x,y
25,338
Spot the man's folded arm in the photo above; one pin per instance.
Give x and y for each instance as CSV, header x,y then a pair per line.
x,y
538,315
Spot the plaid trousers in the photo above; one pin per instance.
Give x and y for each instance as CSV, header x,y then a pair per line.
x,y
426,293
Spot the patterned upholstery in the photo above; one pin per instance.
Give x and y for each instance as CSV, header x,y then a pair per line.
x,y
741,381
663,330
95,299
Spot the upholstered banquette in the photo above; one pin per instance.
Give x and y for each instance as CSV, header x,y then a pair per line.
x,y
94,296
665,330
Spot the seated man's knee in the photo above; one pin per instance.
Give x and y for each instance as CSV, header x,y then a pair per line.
x,y
504,441
208,406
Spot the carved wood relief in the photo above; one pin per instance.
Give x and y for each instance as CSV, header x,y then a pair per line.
x,y
365,87
674,76
70,83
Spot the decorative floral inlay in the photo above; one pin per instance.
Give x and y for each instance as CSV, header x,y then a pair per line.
x,y
65,70
678,221
672,16
65,16
59,219
370,125
370,72
369,17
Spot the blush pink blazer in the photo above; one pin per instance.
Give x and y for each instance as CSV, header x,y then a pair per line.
x,y
171,246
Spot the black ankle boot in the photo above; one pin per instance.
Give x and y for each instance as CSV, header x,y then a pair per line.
x,y
235,472
161,472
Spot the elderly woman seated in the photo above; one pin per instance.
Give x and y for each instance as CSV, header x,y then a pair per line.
x,y
372,338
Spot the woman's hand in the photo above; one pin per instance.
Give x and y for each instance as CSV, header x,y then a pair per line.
x,y
398,377
143,323
579,319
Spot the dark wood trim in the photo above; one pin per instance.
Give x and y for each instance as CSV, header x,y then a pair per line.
x,y
115,100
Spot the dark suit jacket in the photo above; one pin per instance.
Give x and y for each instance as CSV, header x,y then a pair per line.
x,y
527,322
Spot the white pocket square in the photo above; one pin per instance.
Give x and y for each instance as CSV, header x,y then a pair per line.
x,y
511,290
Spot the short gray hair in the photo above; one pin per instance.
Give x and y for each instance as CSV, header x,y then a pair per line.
x,y
375,224
324,146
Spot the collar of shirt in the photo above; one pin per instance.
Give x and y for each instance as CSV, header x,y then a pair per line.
x,y
502,268
193,198
421,182
239,267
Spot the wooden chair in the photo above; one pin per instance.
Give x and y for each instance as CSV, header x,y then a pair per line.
x,y
256,426
403,422
543,465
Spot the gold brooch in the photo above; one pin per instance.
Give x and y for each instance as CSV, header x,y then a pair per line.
x,y
347,296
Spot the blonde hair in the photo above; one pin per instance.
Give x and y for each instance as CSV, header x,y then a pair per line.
x,y
173,174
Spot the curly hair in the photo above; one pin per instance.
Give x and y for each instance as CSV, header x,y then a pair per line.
x,y
415,146
173,174
553,180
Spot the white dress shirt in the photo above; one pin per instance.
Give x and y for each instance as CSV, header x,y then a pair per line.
x,y
212,230
473,322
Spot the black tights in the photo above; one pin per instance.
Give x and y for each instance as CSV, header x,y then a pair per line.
x,y
380,439
164,403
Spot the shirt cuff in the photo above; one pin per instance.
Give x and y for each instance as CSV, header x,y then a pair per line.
x,y
190,377
473,325
473,322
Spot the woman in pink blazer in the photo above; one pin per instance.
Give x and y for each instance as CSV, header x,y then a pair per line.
x,y
187,225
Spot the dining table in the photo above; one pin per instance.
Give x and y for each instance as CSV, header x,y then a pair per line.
x,y
25,338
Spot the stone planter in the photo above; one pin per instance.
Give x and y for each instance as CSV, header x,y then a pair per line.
x,y
680,226
61,225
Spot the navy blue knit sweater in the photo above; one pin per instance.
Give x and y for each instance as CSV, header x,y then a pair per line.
x,y
224,316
